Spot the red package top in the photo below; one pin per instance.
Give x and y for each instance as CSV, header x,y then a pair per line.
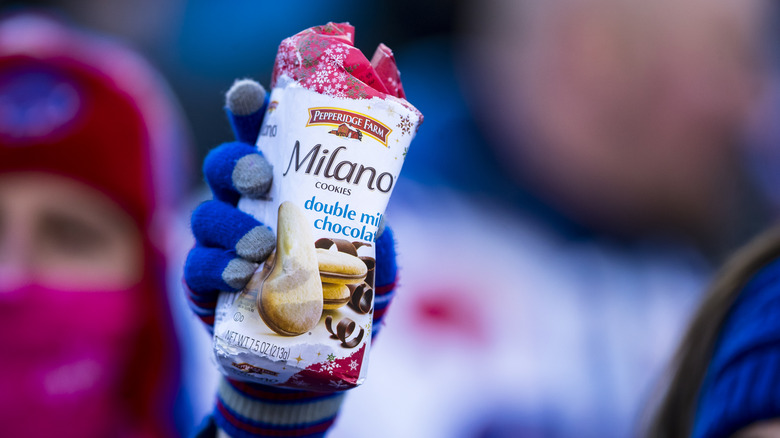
x,y
324,59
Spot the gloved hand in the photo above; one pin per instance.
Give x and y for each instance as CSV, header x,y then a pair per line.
x,y
230,245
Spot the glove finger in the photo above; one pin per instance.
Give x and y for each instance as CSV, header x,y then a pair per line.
x,y
219,225
386,267
386,272
210,269
245,105
236,169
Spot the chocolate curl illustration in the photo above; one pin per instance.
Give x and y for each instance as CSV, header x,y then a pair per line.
x,y
344,330
362,298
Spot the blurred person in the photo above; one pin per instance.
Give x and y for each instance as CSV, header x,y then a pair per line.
x,y
628,118
89,146
725,377
584,169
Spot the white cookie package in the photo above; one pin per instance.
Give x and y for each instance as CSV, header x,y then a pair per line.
x,y
336,131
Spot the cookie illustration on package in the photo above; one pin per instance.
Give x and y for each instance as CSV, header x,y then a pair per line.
x,y
290,299
334,295
338,270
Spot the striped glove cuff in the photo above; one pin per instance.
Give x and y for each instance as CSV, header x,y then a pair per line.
x,y
249,410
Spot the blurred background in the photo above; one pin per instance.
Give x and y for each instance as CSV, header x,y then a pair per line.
x,y
201,47
582,169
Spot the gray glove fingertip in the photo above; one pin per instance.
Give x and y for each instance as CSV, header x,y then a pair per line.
x,y
252,176
238,272
257,244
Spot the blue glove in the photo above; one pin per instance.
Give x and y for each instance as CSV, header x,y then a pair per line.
x,y
230,245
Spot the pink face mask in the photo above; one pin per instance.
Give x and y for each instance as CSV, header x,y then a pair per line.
x,y
62,361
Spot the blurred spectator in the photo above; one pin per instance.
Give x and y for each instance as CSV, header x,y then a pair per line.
x,y
628,118
725,377
91,153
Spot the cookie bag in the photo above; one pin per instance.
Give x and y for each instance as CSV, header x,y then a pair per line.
x,y
336,131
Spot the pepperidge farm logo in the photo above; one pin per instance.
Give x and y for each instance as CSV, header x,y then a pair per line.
x,y
349,124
